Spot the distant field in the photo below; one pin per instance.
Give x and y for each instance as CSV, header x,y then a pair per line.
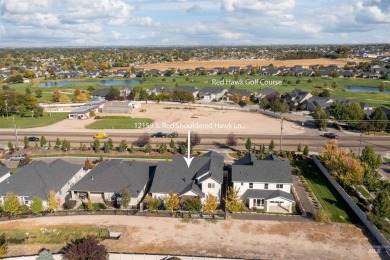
x,y
120,123
226,63
29,122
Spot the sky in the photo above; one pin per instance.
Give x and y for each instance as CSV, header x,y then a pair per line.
x,y
50,23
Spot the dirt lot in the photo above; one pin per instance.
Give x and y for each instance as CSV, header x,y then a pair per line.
x,y
199,119
231,238
226,63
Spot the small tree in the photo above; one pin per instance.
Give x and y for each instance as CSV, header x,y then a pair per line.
x,y
25,141
231,139
3,246
248,144
49,146
85,248
90,205
131,150
195,139
148,148
122,146
172,202
36,205
96,146
233,201
125,199
42,141
11,203
306,151
211,203
271,145
52,201
381,204
153,203
381,87
58,143
299,148
172,144
10,145
321,216
106,147
193,204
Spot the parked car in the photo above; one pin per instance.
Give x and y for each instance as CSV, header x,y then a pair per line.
x,y
33,139
100,135
17,157
173,135
160,134
331,135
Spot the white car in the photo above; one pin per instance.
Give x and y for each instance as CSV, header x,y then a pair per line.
x,y
17,157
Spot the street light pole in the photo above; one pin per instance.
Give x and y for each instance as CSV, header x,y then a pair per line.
x,y
16,137
281,134
6,108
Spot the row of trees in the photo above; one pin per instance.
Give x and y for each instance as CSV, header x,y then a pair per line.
x,y
15,102
172,202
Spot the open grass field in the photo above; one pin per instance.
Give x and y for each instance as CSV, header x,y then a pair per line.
x,y
30,122
193,64
330,200
120,123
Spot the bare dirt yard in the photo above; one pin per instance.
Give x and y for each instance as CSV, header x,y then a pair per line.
x,y
169,117
226,63
249,239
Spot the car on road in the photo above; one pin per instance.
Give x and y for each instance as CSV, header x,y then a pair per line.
x,y
160,134
17,157
100,135
33,139
173,135
331,136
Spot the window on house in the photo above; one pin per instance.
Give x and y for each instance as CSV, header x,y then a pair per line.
x,y
258,202
266,186
251,185
211,185
279,186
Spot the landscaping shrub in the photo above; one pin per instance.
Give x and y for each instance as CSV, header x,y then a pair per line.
x,y
69,204
321,216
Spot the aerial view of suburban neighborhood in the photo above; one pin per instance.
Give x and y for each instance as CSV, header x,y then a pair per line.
x,y
194,130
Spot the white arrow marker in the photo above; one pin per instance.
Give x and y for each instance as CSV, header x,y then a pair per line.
x,y
189,158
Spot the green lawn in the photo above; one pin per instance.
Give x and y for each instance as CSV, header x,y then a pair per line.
x,y
328,197
203,81
120,123
29,122
96,206
363,191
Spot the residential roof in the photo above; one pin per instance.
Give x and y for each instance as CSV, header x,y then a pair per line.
x,y
160,88
116,175
240,92
3,170
187,88
38,178
211,90
274,171
248,159
267,91
176,177
266,194
103,92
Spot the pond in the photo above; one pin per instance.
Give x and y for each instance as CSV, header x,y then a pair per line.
x,y
98,82
364,89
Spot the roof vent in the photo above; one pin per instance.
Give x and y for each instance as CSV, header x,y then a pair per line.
x,y
91,177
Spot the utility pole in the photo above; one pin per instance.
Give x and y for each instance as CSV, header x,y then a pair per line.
x,y
16,137
281,134
6,108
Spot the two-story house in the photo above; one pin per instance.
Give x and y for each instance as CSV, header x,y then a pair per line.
x,y
264,184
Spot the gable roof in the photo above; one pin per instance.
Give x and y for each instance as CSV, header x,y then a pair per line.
x,y
248,159
240,92
103,92
160,88
267,91
187,88
274,171
38,178
176,177
266,194
116,175
211,90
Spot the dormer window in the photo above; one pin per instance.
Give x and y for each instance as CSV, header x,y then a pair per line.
x,y
251,185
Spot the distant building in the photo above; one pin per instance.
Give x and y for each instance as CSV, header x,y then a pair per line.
x,y
117,107
84,111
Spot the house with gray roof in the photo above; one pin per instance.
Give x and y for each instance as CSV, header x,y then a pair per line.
x,y
158,89
243,94
4,172
109,178
193,90
203,177
100,94
262,93
38,178
212,93
264,184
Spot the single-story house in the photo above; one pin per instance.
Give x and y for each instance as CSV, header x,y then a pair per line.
x,y
109,178
125,91
4,173
203,177
193,90
212,93
117,107
38,178
264,184
83,112
100,94
158,89
243,94
262,93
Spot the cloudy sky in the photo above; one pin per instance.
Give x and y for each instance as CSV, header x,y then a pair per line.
x,y
40,23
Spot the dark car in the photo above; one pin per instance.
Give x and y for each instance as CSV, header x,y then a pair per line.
x,y
331,135
33,139
159,134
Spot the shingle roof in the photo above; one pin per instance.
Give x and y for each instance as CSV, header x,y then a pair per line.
x,y
103,92
116,175
38,178
211,90
187,88
176,177
273,171
248,159
3,170
266,194
240,92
